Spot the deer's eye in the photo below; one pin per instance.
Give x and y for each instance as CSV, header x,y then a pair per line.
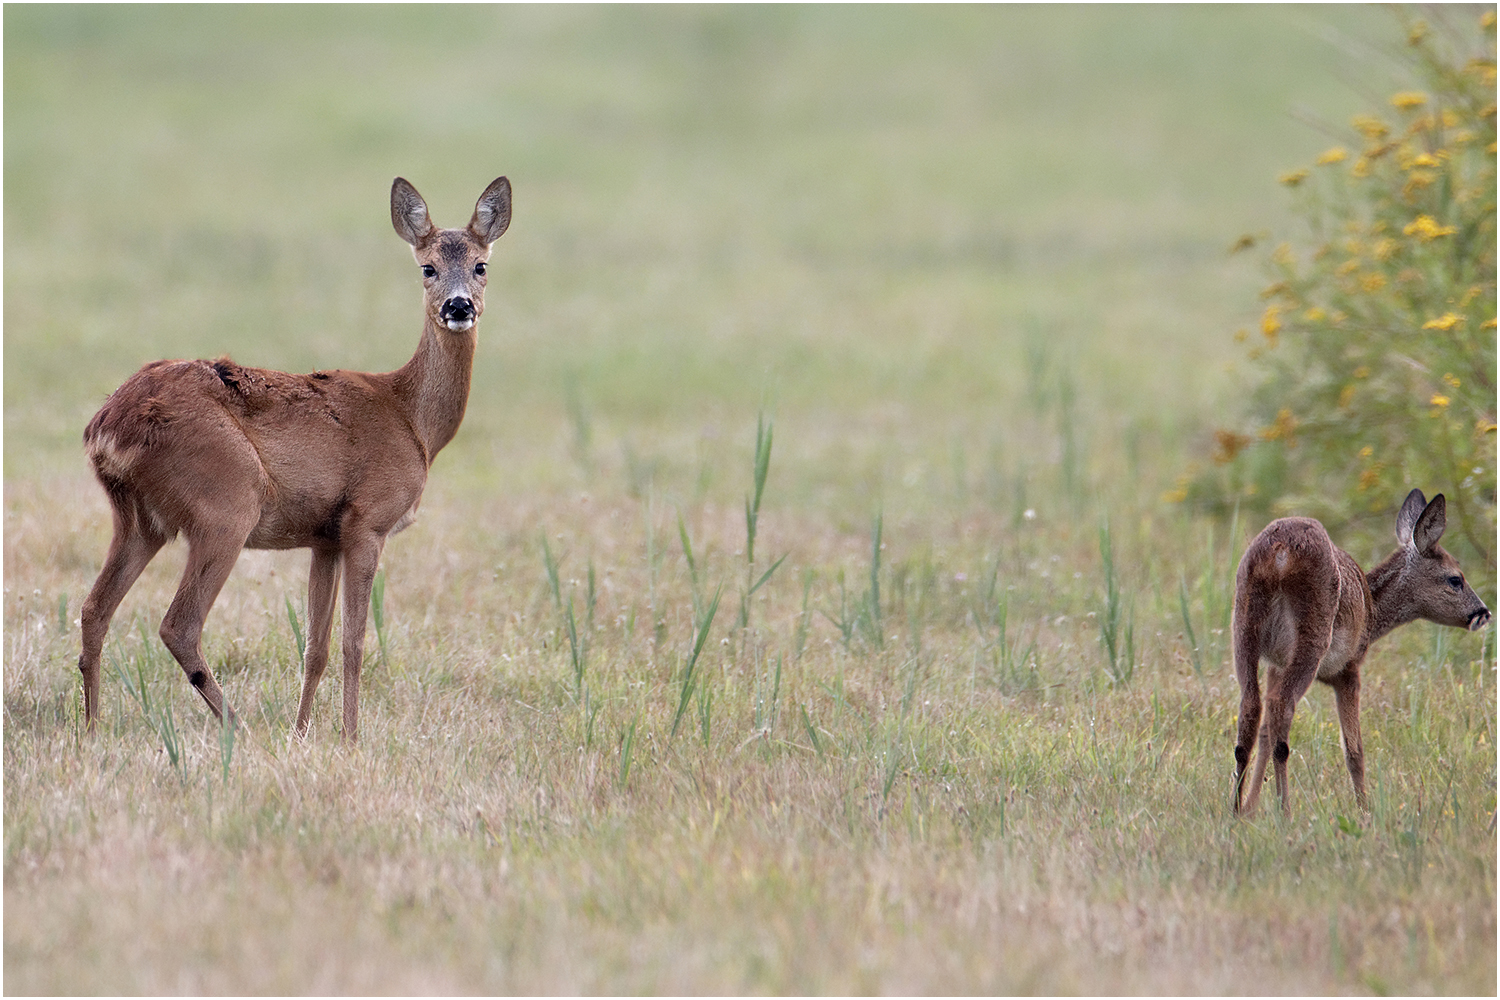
x,y
479,269
1456,582
428,271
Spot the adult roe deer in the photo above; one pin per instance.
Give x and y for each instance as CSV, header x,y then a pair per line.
x,y
335,461
1303,604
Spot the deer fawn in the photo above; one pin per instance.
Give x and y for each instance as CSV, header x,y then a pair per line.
x,y
335,461
1303,604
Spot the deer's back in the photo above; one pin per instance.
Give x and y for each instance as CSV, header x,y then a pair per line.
x,y
311,451
1293,584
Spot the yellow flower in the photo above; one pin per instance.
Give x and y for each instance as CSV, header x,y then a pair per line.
x,y
1452,380
1270,323
1284,429
1227,445
1366,451
1383,248
1444,323
1369,127
1416,181
1483,426
1439,400
1347,267
1338,154
1361,168
1408,99
1422,160
1488,324
1315,315
1293,178
1487,19
1426,229
1372,282
1417,33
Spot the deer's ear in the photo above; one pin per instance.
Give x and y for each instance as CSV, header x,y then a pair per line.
x,y
1406,521
492,213
1430,525
409,212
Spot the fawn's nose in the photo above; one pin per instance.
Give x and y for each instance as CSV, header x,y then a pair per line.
x,y
457,312
1479,619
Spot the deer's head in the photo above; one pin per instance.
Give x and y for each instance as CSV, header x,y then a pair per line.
x,y
1432,584
453,261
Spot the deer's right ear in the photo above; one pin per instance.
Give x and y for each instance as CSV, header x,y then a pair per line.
x,y
1430,525
409,212
1406,521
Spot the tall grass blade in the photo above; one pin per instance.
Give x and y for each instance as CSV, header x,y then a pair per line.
x,y
688,676
297,635
377,613
551,564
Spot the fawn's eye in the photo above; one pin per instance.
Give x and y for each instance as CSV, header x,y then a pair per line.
x,y
428,271
479,269
1456,582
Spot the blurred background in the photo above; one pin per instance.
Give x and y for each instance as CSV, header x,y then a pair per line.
x,y
953,250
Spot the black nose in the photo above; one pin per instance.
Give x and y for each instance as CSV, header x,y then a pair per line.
x,y
1479,619
457,309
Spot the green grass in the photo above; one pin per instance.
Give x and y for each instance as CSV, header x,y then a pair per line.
x,y
972,262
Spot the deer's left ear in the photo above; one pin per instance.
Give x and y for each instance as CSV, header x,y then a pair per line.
x,y
1430,525
1406,520
492,213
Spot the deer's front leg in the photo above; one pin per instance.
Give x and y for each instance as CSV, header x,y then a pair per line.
x,y
360,562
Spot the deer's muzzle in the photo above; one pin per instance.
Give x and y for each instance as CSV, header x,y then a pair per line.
x,y
457,313
1479,619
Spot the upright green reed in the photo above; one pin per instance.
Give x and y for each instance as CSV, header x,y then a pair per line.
x,y
689,678
1116,624
158,715
759,472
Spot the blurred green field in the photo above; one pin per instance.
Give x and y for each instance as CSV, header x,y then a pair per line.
x,y
974,263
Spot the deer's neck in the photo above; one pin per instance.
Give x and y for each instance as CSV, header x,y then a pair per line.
x,y
1392,609
434,384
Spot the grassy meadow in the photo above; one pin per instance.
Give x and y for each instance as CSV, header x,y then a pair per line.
x,y
955,716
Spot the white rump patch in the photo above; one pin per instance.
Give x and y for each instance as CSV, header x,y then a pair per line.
x,y
110,459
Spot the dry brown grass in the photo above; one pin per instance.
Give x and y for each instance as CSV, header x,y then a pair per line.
x,y
1071,837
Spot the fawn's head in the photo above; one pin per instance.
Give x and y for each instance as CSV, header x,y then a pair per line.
x,y
453,261
1432,584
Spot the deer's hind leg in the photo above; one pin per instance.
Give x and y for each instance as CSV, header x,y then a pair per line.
x,y
1284,689
1248,609
213,548
130,550
1346,695
322,591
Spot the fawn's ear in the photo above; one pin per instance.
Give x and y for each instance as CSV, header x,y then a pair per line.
x,y
409,212
1430,525
492,213
1406,520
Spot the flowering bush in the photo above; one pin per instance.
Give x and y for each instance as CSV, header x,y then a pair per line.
x,y
1377,342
